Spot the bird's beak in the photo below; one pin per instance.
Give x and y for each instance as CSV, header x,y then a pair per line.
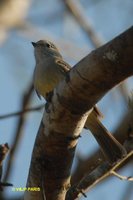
x,y
34,44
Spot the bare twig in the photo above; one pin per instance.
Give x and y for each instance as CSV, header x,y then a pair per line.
x,y
77,11
121,177
19,131
101,172
15,114
127,193
90,180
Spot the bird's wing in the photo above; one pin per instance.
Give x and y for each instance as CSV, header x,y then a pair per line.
x,y
64,67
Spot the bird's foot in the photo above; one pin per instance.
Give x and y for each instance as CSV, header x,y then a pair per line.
x,y
71,138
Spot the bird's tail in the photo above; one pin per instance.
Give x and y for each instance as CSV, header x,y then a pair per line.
x,y
111,148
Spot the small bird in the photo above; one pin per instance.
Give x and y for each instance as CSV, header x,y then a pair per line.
x,y
50,69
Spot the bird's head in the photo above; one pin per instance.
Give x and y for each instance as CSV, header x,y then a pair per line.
x,y
45,48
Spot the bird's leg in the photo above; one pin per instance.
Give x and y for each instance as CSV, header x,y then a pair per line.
x,y
48,100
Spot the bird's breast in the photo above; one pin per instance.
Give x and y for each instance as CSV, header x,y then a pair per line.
x,y
46,79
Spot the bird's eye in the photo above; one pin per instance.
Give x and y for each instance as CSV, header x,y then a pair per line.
x,y
48,45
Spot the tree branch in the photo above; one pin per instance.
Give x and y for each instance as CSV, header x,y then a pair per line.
x,y
78,13
19,130
121,133
90,180
15,114
68,110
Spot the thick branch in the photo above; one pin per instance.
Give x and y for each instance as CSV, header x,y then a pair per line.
x,y
67,112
